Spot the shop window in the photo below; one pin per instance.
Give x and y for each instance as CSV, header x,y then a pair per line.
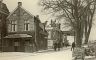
x,y
16,43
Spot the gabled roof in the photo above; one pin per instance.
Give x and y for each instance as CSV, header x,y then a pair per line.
x,y
22,9
4,9
12,12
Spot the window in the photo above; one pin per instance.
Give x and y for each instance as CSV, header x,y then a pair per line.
x,y
13,25
16,43
49,34
14,14
26,25
25,14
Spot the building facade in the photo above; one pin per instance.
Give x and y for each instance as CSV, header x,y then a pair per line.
x,y
4,12
24,32
54,33
68,37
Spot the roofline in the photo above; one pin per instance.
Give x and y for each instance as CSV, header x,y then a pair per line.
x,y
27,11
12,12
17,8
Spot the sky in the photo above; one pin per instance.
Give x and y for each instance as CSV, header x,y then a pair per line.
x,y
33,7
30,5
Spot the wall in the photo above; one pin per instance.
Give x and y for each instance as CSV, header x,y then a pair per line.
x,y
20,15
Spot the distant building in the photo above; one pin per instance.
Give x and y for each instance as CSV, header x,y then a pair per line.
x,y
68,35
25,32
54,33
4,12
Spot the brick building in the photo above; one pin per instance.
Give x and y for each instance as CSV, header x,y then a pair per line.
x,y
24,32
4,12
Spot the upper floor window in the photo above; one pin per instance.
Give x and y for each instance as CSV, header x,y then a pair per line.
x,y
49,34
14,14
13,25
26,25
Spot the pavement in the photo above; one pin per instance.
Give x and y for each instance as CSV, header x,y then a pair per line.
x,y
8,54
90,58
50,54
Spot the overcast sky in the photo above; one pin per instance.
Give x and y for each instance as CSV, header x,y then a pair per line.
x,y
33,7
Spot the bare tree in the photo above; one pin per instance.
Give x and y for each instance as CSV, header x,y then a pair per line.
x,y
76,13
89,19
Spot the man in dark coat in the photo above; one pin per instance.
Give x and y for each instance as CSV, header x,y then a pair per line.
x,y
73,46
55,46
59,46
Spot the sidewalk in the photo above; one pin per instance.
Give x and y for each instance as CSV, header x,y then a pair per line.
x,y
90,58
10,54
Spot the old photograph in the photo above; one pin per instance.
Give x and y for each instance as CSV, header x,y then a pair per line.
x,y
47,29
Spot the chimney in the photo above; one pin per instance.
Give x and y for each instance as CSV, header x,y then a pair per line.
x,y
37,16
19,4
1,1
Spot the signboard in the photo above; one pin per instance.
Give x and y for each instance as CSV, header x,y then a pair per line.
x,y
78,53
50,43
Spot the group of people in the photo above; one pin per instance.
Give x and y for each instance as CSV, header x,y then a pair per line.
x,y
57,45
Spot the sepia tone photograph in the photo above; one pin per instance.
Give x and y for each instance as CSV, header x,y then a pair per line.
x,y
47,29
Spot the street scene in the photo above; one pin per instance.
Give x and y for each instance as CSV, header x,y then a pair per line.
x,y
47,30
48,55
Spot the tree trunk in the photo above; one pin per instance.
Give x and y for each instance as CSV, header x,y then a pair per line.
x,y
87,35
88,30
78,38
86,39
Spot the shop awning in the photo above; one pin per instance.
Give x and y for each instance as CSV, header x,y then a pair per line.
x,y
18,36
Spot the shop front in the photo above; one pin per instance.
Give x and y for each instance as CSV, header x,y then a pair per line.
x,y
18,43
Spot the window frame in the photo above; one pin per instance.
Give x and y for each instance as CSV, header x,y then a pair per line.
x,y
13,25
26,25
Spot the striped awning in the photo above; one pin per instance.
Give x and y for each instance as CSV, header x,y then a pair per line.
x,y
18,36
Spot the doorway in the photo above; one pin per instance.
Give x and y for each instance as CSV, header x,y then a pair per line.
x,y
16,45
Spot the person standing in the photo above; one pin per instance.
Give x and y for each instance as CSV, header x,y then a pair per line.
x,y
55,46
59,46
73,46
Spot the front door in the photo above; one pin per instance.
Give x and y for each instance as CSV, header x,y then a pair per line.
x,y
16,45
28,46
